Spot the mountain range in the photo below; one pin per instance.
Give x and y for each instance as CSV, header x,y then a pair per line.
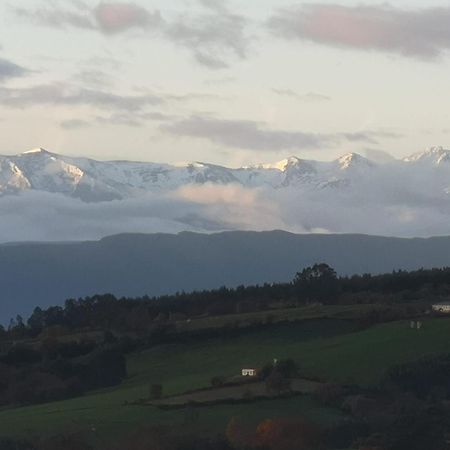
x,y
95,181
45,196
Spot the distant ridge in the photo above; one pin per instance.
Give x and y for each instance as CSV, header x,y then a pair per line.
x,y
40,274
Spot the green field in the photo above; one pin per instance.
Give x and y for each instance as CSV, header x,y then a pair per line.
x,y
325,348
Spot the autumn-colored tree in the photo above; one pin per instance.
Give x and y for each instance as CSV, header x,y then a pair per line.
x,y
148,438
287,434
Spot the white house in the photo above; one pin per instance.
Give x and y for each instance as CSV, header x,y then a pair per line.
x,y
443,307
249,372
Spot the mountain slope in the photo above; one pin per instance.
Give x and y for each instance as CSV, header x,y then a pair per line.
x,y
133,265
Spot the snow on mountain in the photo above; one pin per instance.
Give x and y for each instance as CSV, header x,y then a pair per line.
x,y
432,156
96,181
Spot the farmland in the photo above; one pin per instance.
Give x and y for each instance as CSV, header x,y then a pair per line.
x,y
329,349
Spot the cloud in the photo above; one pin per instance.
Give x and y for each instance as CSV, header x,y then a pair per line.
x,y
419,33
9,70
70,95
74,124
251,135
213,36
59,17
106,17
383,202
94,78
309,97
115,18
35,215
378,156
135,119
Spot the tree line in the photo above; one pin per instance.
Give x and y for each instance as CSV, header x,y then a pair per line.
x,y
315,284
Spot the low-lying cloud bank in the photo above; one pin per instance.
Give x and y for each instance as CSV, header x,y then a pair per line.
x,y
36,216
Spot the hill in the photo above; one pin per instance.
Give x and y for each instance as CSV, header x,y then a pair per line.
x,y
134,265
326,348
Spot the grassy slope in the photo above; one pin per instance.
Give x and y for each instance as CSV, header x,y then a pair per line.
x,y
321,348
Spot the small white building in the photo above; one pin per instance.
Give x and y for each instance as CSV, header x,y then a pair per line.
x,y
443,307
249,372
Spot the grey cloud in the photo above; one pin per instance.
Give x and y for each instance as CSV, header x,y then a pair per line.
x,y
420,33
378,156
74,124
96,78
66,94
215,5
135,119
252,135
123,107
130,120
9,70
308,97
157,116
219,81
213,37
114,18
370,136
57,17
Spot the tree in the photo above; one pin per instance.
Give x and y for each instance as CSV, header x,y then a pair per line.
x,y
217,381
287,434
36,322
277,383
319,283
287,367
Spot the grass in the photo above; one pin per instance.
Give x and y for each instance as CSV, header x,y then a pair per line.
x,y
326,348
296,314
236,392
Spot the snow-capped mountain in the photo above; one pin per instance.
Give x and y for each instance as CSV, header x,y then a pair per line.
x,y
93,181
65,197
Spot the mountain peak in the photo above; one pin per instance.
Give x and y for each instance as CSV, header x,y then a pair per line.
x,y
38,150
352,160
283,164
434,155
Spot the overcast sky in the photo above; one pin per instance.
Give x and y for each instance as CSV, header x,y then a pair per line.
x,y
230,82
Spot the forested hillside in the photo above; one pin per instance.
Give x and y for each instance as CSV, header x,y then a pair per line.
x,y
137,265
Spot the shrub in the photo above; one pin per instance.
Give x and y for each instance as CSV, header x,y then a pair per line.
x,y
217,381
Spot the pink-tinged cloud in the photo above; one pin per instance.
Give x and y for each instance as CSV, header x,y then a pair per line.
x,y
423,33
118,17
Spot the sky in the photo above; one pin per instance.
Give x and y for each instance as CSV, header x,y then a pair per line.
x,y
233,82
